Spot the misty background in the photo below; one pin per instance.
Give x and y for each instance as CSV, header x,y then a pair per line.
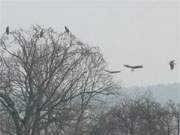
x,y
127,31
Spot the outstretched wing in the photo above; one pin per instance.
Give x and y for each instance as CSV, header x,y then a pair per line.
x,y
172,66
112,72
138,66
128,66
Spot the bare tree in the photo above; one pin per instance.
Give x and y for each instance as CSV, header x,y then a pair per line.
x,y
174,112
42,76
139,116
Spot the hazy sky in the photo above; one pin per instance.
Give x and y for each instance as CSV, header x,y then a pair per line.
x,y
127,31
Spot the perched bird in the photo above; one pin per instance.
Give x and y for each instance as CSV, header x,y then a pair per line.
x,y
171,64
7,30
41,33
66,29
112,72
134,67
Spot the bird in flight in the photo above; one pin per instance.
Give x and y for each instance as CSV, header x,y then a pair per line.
x,y
112,72
66,29
171,64
7,30
133,67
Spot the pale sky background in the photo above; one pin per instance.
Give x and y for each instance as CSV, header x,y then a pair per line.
x,y
127,31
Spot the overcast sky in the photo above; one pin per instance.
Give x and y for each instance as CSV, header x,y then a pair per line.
x,y
127,31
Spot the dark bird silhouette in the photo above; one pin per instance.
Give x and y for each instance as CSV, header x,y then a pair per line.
x,y
112,72
41,33
171,64
134,67
7,30
66,29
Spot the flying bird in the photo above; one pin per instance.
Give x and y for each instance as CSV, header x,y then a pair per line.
x,y
112,72
134,67
66,29
7,30
41,33
171,64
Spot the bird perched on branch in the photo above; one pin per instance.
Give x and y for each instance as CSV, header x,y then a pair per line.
x,y
66,29
7,30
112,72
41,33
134,67
171,64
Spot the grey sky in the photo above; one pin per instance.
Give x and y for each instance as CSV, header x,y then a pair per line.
x,y
127,31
